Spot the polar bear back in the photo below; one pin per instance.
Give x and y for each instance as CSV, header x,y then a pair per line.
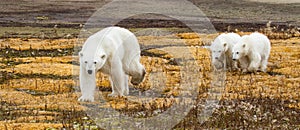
x,y
113,40
126,45
125,39
257,42
93,43
229,38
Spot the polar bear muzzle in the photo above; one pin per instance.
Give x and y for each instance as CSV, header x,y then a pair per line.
x,y
90,71
136,80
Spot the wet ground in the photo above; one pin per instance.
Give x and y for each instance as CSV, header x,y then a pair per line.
x,y
242,15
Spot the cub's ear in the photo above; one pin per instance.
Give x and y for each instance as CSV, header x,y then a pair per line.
x,y
80,54
244,45
208,47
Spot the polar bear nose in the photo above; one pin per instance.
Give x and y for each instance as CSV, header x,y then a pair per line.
x,y
90,71
216,57
234,59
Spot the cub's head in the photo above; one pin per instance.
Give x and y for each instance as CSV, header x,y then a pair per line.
x,y
238,51
218,51
92,63
241,49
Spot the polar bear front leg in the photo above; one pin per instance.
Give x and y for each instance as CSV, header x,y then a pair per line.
x,y
244,63
255,62
234,66
117,78
229,63
87,86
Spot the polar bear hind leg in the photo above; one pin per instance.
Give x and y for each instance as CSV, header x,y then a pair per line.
x,y
117,78
263,65
113,88
126,91
255,62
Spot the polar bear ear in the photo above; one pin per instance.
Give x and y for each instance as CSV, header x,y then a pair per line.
x,y
208,47
80,54
103,56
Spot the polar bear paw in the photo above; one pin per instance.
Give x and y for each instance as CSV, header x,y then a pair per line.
x,y
86,98
113,94
252,69
244,70
126,92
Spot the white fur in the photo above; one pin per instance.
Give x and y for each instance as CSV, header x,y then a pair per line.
x,y
221,49
114,51
252,52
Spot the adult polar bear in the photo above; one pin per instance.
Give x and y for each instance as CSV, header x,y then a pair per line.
x,y
221,49
114,51
252,52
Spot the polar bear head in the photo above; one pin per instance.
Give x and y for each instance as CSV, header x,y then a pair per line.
x,y
218,50
241,48
237,52
92,63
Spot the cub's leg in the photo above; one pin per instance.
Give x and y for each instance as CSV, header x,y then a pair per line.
x,y
244,63
255,62
264,62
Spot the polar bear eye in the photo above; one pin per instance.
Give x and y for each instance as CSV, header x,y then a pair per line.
x,y
95,62
219,51
85,62
237,52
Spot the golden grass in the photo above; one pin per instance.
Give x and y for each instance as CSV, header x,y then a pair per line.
x,y
64,101
43,68
45,85
160,40
64,59
28,126
26,44
281,83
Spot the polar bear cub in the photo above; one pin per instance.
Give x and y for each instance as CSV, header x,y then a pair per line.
x,y
114,51
221,49
252,52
